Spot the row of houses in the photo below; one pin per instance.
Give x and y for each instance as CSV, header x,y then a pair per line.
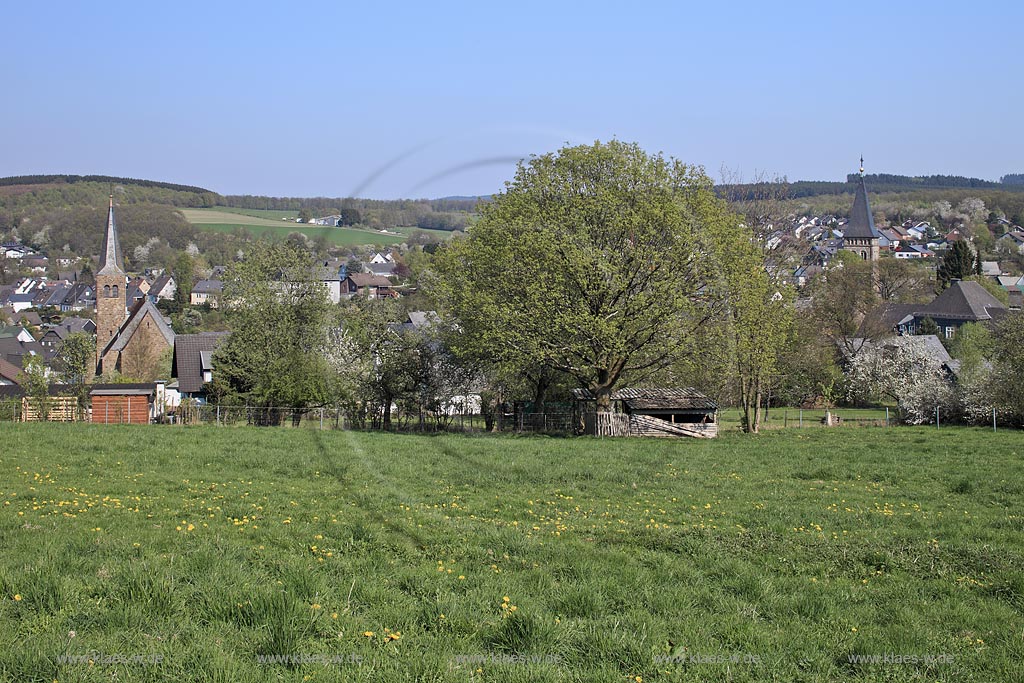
x,y
372,281
69,294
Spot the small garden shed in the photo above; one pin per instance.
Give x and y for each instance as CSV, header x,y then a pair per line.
x,y
123,403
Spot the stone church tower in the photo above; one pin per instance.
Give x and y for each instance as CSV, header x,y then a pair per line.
x,y
860,235
111,308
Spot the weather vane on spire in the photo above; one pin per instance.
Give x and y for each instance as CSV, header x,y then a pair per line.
x,y
862,164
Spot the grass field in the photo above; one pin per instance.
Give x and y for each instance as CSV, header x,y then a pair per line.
x,y
453,558
272,214
269,223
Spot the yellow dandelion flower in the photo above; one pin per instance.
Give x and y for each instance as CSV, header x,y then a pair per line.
x,y
334,615
17,598
316,605
368,634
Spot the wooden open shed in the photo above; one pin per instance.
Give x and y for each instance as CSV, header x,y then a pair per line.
x,y
649,412
123,403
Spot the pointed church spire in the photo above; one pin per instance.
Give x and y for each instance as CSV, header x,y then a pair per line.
x,y
862,223
111,262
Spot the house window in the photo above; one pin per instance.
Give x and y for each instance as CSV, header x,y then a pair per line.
x,y
106,290
113,291
949,332
864,255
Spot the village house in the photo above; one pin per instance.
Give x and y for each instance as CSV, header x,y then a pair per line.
x,y
964,301
192,363
54,335
14,250
1012,242
163,288
207,292
367,285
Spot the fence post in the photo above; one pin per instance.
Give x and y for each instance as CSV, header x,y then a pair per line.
x,y
321,419
993,419
887,416
801,417
218,413
785,417
936,417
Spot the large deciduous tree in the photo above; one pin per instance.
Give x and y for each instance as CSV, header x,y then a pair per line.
x,y
280,321
842,297
598,261
760,317
1008,370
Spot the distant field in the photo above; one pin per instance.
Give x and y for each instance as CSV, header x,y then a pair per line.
x,y
272,214
225,221
260,223
797,555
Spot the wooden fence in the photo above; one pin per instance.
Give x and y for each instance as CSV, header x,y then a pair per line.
x,y
58,409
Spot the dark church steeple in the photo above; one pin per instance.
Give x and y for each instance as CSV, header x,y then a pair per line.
x,y
860,234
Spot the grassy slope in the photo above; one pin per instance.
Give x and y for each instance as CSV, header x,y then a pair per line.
x,y
799,547
227,221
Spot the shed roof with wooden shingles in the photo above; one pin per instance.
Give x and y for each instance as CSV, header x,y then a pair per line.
x,y
687,399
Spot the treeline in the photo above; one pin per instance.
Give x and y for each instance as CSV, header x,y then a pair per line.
x,y
924,182
249,201
113,180
876,182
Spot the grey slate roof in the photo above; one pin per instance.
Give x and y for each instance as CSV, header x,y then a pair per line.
x,y
882,320
192,354
13,351
11,372
208,287
368,280
159,284
861,224
962,300
110,255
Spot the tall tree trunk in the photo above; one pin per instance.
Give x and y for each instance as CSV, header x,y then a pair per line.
x,y
541,384
387,412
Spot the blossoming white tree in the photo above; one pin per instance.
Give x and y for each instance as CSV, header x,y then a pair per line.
x,y
902,369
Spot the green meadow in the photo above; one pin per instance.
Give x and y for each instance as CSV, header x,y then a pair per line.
x,y
247,554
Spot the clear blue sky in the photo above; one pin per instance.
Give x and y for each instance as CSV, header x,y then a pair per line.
x,y
319,98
